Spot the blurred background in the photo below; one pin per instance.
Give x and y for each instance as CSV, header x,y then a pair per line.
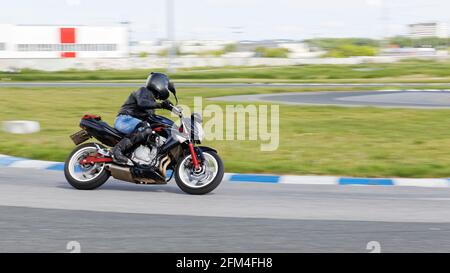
x,y
390,43
76,34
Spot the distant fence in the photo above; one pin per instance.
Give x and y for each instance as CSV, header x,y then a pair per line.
x,y
183,62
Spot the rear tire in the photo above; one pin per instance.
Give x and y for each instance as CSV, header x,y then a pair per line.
x,y
90,184
207,188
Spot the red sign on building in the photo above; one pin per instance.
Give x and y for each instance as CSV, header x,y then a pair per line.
x,y
67,36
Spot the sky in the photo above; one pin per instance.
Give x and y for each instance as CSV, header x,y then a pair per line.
x,y
235,19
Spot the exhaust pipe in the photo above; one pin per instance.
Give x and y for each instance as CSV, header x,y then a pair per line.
x,y
121,173
137,175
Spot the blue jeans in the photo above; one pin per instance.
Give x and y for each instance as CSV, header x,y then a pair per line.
x,y
126,124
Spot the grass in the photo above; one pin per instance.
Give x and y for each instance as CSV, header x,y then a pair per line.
x,y
405,71
367,142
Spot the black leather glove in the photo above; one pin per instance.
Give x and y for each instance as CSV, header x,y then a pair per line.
x,y
166,104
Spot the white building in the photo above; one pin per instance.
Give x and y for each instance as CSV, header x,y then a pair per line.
x,y
36,41
431,29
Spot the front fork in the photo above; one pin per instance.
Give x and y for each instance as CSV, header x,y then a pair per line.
x,y
194,156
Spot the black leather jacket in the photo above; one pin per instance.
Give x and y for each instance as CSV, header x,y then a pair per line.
x,y
140,104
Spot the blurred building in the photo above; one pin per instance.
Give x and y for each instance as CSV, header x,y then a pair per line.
x,y
48,41
149,47
200,46
425,30
408,51
297,49
184,47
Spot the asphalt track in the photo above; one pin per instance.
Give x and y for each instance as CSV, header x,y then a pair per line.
x,y
40,212
404,99
398,99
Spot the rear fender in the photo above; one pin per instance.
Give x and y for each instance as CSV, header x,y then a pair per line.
x,y
101,131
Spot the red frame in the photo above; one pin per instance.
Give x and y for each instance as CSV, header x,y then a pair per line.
x,y
98,158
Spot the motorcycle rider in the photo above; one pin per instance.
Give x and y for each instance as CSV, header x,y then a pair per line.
x,y
140,105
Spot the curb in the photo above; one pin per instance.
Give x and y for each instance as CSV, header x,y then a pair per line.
x,y
341,181
18,162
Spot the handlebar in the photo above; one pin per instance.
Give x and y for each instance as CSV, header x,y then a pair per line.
x,y
177,110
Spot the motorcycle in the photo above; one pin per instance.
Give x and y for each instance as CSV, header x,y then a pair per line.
x,y
169,151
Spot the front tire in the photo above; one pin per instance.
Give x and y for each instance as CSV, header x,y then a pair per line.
x,y
87,177
213,174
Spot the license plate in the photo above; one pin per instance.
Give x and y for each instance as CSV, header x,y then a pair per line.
x,y
80,137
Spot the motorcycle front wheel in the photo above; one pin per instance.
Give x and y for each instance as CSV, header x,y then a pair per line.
x,y
201,181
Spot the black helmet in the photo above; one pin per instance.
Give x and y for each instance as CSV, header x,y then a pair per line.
x,y
158,83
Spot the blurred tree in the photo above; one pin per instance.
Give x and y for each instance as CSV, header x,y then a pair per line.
x,y
277,52
349,50
332,43
229,48
218,52
163,53
143,54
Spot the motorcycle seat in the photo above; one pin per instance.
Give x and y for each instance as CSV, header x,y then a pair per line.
x,y
99,121
111,129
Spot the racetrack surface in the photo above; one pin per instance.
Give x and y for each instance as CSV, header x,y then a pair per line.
x,y
403,99
397,99
40,212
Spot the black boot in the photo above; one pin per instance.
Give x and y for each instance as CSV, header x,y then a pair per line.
x,y
119,150
139,136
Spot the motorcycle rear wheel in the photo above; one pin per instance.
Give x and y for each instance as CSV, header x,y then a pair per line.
x,y
85,177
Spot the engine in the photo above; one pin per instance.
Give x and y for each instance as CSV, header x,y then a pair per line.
x,y
146,154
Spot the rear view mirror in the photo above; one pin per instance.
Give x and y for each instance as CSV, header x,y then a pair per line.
x,y
172,88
